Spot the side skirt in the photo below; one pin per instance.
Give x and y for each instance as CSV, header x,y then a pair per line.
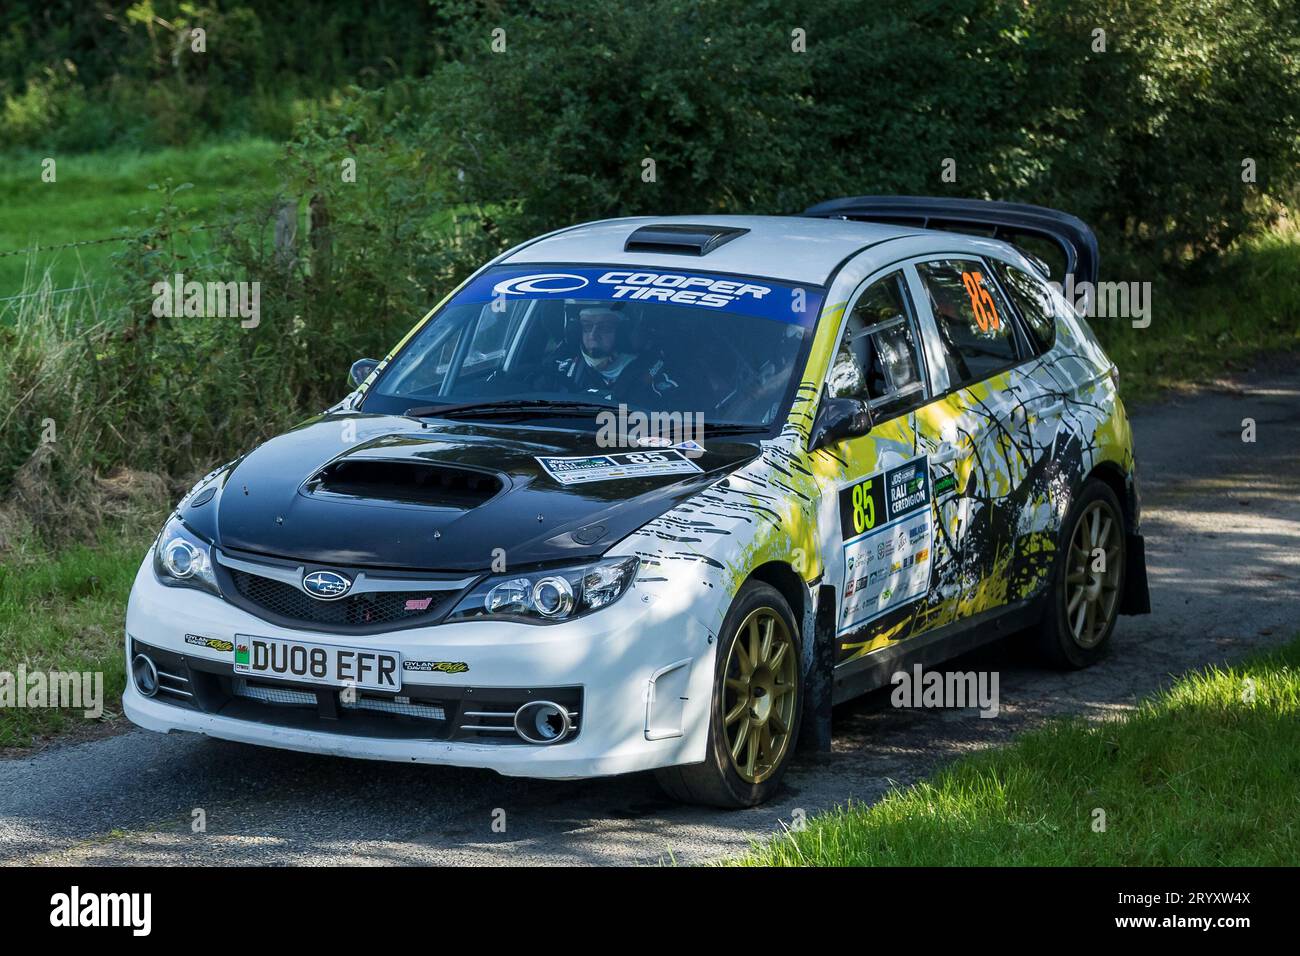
x,y
873,671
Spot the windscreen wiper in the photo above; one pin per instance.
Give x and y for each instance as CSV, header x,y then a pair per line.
x,y
505,407
733,428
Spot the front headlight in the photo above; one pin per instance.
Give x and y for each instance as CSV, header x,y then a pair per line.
x,y
181,559
546,597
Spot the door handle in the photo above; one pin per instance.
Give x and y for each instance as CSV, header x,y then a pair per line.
x,y
945,453
1054,409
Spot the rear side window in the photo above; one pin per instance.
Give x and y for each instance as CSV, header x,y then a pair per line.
x,y
975,328
1034,300
878,359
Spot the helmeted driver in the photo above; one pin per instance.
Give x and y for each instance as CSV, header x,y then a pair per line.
x,y
600,340
609,364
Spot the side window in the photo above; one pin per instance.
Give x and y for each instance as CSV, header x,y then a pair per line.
x,y
878,359
1034,300
975,328
424,372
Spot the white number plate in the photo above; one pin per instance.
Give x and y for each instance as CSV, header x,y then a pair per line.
x,y
363,668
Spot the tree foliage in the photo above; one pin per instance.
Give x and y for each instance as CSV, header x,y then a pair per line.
x,y
1142,130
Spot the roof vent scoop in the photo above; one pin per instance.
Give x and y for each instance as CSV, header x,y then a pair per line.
x,y
681,239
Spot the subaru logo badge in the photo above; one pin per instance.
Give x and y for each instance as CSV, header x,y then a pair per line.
x,y
326,585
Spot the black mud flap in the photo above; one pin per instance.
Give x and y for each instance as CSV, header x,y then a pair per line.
x,y
819,684
1137,598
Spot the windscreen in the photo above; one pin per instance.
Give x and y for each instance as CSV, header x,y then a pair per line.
x,y
724,347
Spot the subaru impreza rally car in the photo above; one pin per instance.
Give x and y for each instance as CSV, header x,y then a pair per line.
x,y
654,494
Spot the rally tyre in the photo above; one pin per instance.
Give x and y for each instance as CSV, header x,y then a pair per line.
x,y
1088,585
755,709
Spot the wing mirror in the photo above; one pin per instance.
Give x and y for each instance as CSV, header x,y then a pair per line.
x,y
361,370
838,419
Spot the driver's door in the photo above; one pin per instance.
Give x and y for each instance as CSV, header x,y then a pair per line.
x,y
877,517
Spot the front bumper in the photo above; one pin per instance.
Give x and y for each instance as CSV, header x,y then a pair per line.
x,y
643,668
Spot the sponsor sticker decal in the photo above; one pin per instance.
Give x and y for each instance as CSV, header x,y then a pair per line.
x,y
637,464
215,644
765,298
545,283
907,488
442,667
692,448
887,526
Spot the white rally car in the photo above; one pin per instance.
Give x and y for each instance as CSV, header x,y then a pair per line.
x,y
653,494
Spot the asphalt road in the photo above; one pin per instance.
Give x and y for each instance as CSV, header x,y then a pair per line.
x,y
1222,522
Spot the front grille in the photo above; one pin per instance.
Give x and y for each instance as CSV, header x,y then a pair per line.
x,y
367,608
268,694
399,705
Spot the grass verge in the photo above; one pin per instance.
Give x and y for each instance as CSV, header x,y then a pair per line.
x,y
1197,776
1204,326
64,611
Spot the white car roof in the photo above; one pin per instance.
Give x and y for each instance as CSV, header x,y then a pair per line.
x,y
785,248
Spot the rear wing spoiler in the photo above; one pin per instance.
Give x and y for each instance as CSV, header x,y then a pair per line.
x,y
1007,221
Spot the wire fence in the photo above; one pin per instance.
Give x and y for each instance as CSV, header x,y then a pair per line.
x,y
38,248
39,292
28,250
34,249
64,245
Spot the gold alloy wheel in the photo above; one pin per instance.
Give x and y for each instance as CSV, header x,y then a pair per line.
x,y
1091,594
760,694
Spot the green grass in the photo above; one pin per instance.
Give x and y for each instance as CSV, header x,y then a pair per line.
x,y
96,194
1208,325
1194,777
65,612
